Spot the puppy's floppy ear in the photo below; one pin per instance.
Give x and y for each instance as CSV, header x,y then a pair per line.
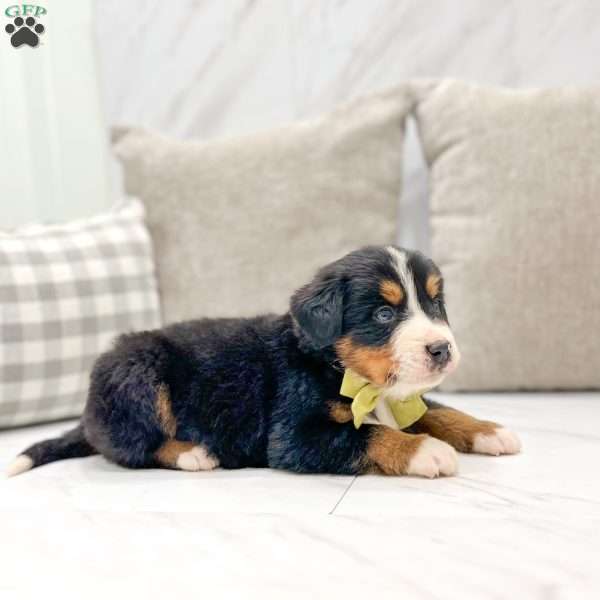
x,y
317,308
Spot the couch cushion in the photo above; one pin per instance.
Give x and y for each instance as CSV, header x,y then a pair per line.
x,y
238,224
65,292
515,217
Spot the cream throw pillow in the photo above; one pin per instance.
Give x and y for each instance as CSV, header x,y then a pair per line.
x,y
515,222
239,224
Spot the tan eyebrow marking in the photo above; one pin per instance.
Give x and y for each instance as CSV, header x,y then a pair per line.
x,y
391,291
433,285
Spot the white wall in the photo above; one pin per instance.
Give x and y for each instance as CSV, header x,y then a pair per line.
x,y
225,67
53,144
208,69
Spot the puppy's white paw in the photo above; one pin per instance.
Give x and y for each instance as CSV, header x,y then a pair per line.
x,y
196,459
433,458
502,441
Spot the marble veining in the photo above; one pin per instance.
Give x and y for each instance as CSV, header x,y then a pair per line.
x,y
211,69
509,527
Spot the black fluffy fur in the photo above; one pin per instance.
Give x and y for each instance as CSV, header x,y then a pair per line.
x,y
254,391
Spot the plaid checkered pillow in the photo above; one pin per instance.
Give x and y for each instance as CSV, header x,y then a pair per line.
x,y
65,292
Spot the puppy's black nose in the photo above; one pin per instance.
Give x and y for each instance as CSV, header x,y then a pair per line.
x,y
439,352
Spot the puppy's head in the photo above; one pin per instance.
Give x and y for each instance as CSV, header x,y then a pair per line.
x,y
382,311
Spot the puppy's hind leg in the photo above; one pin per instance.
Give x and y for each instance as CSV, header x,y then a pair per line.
x,y
130,417
186,456
173,453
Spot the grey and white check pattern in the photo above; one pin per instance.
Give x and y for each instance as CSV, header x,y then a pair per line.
x,y
65,292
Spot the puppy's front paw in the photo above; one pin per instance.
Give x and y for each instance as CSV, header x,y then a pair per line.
x,y
433,458
501,441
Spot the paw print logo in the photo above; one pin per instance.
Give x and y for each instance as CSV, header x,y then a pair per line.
x,y
24,32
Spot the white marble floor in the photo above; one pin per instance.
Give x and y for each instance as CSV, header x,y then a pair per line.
x,y
523,526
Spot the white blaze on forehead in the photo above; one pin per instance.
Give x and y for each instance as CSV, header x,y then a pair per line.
x,y
400,260
432,330
415,332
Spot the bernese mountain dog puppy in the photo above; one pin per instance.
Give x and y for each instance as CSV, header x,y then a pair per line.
x,y
265,391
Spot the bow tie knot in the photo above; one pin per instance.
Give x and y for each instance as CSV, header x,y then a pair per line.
x,y
365,396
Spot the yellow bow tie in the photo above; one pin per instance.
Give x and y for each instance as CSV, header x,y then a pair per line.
x,y
364,399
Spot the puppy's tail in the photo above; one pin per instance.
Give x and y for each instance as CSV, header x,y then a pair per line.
x,y
71,444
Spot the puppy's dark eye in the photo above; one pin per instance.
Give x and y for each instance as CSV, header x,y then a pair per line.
x,y
438,304
384,314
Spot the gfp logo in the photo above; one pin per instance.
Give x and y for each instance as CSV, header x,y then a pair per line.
x,y
24,29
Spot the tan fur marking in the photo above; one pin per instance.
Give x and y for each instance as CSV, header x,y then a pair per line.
x,y
432,285
373,363
164,411
454,427
391,291
340,412
169,452
390,451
